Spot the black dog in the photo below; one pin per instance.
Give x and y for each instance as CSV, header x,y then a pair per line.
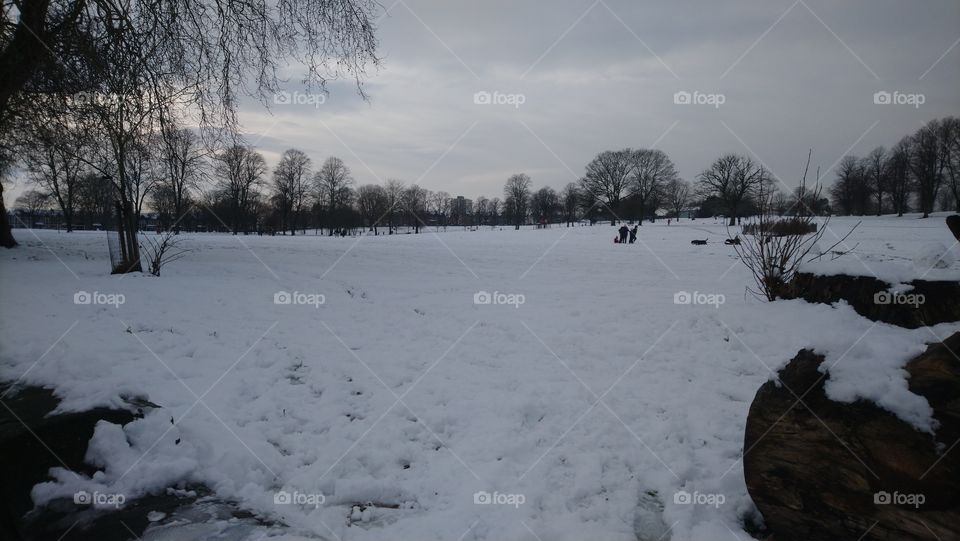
x,y
698,242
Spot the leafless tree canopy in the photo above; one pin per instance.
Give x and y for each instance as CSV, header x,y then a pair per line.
x,y
207,48
733,179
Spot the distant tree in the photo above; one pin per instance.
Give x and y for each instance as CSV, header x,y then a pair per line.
x,y
677,193
290,187
415,203
440,207
544,204
951,141
240,171
733,179
570,200
927,164
898,170
394,189
607,179
516,193
481,208
332,184
183,162
31,203
651,170
876,169
51,154
373,205
496,207
851,190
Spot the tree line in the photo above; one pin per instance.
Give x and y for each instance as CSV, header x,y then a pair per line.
x,y
920,172
173,175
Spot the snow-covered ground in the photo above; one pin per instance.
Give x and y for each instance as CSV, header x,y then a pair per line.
x,y
581,411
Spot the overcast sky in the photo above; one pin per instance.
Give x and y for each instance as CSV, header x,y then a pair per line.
x,y
597,75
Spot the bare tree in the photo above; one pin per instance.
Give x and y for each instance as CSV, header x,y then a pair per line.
x,y
415,203
332,183
440,206
544,204
877,175
570,199
51,154
240,171
373,204
927,164
772,253
851,191
394,189
678,196
951,141
290,178
898,168
516,193
32,202
608,179
733,179
209,49
183,161
651,171
496,207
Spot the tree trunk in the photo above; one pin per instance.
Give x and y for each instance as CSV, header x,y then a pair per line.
x,y
6,234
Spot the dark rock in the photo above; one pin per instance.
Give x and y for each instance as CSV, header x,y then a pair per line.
x,y
32,442
953,222
941,299
817,469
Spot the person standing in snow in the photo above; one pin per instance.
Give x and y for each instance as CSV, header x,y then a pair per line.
x,y
624,231
633,234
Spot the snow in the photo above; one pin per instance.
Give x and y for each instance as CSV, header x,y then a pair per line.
x,y
397,407
891,248
933,255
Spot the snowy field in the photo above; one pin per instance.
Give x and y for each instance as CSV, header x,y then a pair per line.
x,y
586,412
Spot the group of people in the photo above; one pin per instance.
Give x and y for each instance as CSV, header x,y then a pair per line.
x,y
626,232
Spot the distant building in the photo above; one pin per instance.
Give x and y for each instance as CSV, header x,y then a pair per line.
x,y
461,211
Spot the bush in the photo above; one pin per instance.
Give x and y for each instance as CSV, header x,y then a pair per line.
x,y
797,225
